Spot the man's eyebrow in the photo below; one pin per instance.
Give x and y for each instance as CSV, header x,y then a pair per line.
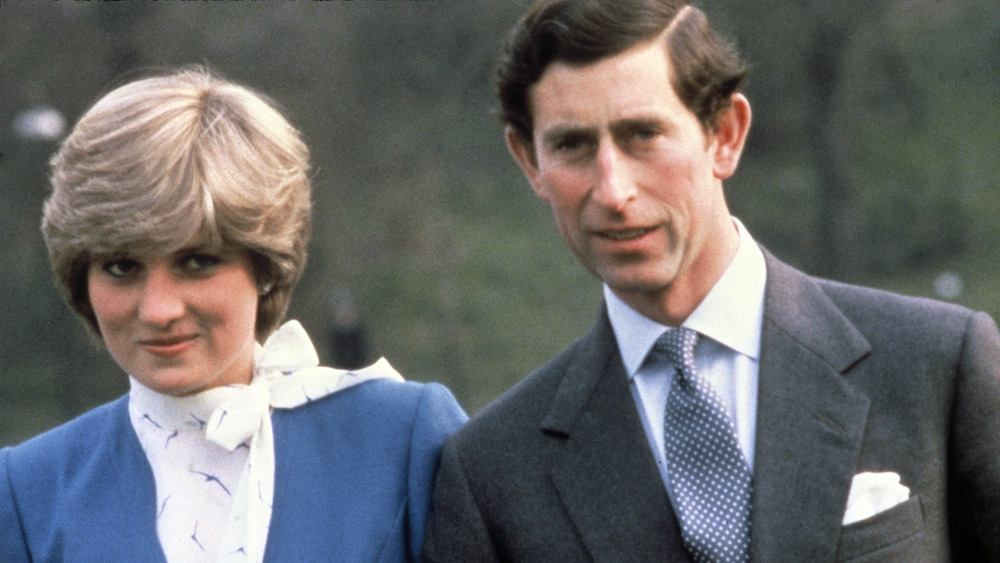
x,y
642,120
655,121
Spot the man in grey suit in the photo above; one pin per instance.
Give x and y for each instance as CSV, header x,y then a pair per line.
x,y
855,424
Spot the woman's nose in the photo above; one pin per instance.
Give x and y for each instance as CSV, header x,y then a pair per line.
x,y
161,301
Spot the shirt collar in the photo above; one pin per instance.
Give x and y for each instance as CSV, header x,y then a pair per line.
x,y
731,313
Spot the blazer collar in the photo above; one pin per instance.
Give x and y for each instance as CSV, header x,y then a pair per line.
x,y
810,420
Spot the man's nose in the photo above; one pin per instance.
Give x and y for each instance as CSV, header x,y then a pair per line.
x,y
615,186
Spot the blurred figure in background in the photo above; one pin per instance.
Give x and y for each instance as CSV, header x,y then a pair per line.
x,y
348,339
177,230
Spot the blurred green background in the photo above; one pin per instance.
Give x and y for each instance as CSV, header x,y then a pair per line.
x,y
872,159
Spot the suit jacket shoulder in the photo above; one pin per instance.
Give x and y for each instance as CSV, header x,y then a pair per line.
x,y
856,380
522,408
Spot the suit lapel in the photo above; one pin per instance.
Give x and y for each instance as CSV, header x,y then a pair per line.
x,y
810,420
810,424
605,475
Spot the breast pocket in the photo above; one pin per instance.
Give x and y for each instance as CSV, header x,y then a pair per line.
x,y
892,535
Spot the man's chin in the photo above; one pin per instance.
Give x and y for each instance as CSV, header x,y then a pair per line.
x,y
636,285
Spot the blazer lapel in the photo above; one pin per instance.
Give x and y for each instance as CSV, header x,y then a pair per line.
x,y
606,475
124,482
810,420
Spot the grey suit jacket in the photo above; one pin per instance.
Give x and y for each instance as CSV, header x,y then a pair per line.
x,y
851,380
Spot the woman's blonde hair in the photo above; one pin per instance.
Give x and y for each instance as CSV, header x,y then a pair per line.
x,y
162,160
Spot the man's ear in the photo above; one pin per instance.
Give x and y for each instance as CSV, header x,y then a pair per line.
x,y
730,135
523,151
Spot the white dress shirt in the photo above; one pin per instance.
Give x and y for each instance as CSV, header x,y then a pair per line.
x,y
727,356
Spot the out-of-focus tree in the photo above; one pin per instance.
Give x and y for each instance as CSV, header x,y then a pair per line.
x,y
849,100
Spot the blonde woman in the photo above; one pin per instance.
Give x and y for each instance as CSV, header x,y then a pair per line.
x,y
177,229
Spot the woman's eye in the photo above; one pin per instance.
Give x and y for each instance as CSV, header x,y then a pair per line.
x,y
200,262
121,268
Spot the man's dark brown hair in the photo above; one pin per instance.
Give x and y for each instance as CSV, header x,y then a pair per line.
x,y
707,69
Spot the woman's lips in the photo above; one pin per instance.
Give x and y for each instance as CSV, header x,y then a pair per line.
x,y
171,346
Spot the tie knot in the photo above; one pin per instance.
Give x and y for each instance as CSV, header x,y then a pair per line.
x,y
677,345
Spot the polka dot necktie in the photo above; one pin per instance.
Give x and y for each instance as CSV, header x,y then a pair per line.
x,y
708,476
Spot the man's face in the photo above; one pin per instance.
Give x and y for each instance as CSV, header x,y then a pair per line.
x,y
633,180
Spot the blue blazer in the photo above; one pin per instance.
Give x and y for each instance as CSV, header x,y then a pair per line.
x,y
353,479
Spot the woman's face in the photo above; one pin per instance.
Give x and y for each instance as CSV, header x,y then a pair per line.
x,y
179,323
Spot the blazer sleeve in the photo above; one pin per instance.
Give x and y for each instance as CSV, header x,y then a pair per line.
x,y
975,465
12,546
438,415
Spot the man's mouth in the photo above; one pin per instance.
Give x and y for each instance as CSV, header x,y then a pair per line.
x,y
627,234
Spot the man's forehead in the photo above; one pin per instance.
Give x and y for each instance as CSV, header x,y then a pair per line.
x,y
635,84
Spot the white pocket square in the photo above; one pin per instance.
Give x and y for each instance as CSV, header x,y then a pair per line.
x,y
872,493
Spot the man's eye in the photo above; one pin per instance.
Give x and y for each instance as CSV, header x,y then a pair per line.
x,y
640,134
200,262
571,145
644,134
121,268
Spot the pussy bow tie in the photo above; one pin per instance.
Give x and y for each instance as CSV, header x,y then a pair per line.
x,y
286,375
